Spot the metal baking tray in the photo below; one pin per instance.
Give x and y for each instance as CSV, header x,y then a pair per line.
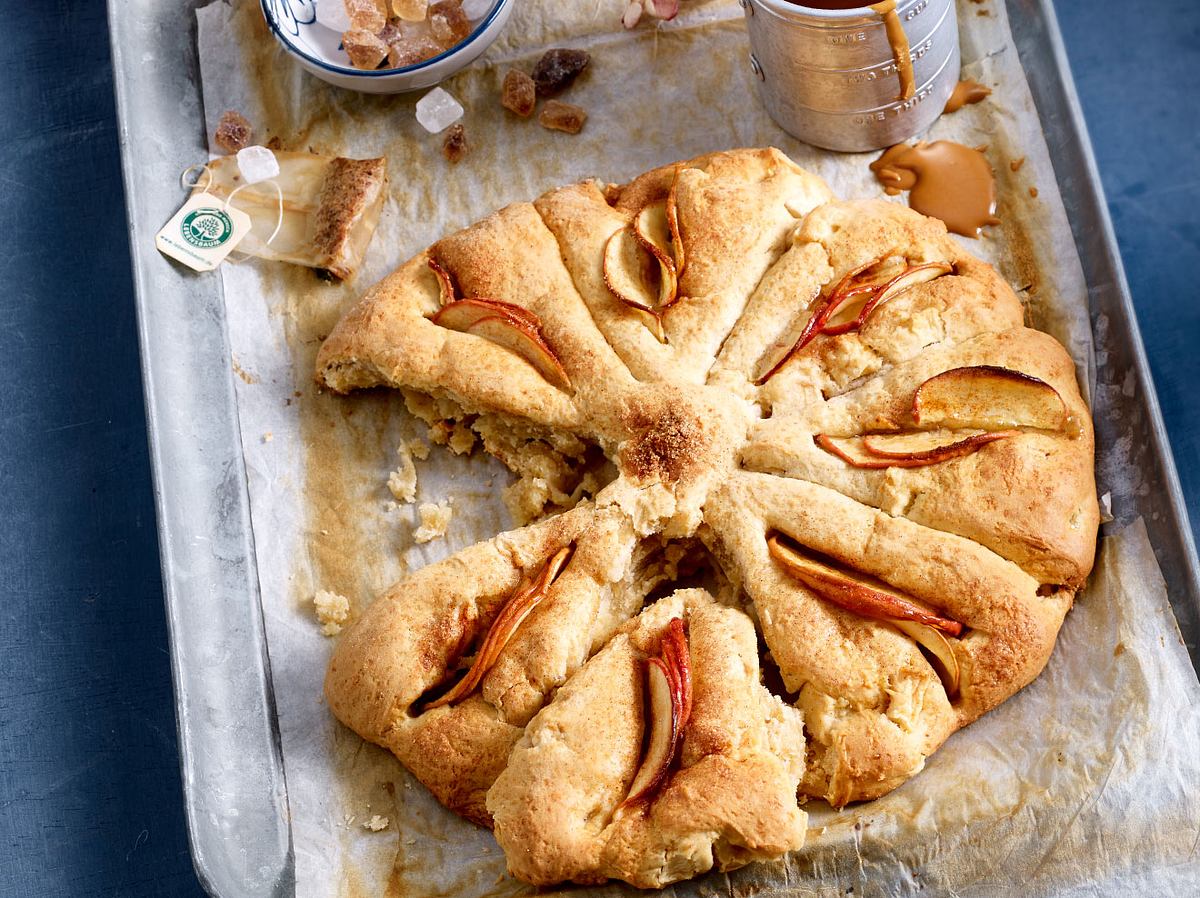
x,y
225,710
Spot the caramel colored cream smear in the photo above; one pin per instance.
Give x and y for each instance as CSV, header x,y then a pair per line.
x,y
944,180
966,93
899,43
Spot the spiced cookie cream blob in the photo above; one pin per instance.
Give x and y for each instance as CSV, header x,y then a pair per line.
x,y
827,404
945,180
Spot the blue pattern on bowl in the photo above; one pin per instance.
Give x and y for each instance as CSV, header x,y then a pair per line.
x,y
291,14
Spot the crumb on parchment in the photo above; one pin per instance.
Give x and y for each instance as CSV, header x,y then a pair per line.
x,y
333,611
434,520
376,823
402,482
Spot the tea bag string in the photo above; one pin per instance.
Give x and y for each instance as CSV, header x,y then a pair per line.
x,y
195,185
278,196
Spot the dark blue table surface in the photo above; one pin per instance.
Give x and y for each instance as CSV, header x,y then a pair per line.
x,y
90,799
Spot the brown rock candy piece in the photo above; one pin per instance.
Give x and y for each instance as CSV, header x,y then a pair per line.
x,y
414,44
411,10
518,93
449,23
391,32
233,132
366,15
558,69
562,117
364,48
455,146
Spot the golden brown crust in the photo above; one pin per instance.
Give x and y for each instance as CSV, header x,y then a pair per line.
x,y
705,444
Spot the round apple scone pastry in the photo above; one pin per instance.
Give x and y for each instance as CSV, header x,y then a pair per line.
x,y
716,373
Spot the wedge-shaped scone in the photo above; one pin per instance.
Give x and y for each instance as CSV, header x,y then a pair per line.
x,y
561,806
876,702
417,641
936,307
1030,498
734,213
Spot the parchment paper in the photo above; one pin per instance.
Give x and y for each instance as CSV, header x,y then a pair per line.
x,y
1087,783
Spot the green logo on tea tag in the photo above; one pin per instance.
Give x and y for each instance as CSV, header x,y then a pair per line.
x,y
206,228
203,232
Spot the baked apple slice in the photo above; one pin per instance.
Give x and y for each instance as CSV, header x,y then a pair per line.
x,y
643,260
527,596
990,398
513,327
857,295
669,707
940,652
906,279
860,595
907,450
445,283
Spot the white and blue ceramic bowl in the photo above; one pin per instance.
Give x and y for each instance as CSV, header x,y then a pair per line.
x,y
318,49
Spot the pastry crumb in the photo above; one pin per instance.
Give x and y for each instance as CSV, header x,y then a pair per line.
x,y
376,823
462,439
333,611
434,521
419,448
268,436
402,482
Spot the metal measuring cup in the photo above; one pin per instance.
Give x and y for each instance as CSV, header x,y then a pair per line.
x,y
829,77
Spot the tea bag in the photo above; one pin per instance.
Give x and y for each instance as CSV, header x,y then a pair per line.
x,y
319,211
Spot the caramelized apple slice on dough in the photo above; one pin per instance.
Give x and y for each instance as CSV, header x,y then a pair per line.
x,y
876,451
643,261
906,279
669,706
513,327
857,594
526,597
988,397
941,653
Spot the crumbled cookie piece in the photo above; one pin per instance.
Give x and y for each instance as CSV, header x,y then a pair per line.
x,y
402,482
333,611
461,439
434,521
376,823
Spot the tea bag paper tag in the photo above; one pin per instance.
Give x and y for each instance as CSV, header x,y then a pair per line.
x,y
203,232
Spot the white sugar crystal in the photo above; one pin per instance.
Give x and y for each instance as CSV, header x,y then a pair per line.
x,y
257,164
476,9
332,14
437,111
